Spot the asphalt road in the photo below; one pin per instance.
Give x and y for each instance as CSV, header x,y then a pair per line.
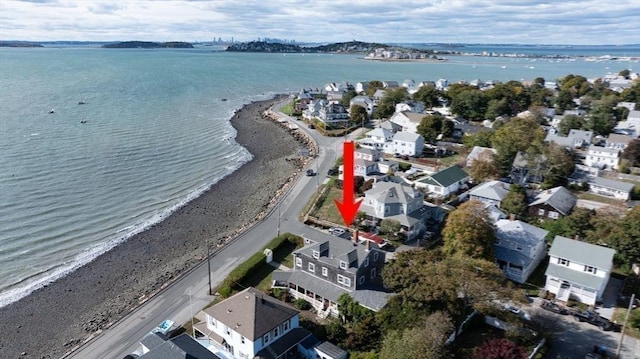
x,y
186,296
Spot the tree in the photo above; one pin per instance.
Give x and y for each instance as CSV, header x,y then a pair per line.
x,y
372,87
481,170
387,105
390,227
433,125
632,152
468,232
428,95
601,115
516,135
423,341
571,122
351,310
564,101
470,104
515,202
499,348
358,114
558,165
346,98
480,138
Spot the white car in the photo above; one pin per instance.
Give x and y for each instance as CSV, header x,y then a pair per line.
x,y
336,231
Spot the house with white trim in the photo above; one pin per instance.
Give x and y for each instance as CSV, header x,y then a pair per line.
x,y
578,270
630,126
491,192
377,139
519,248
407,120
552,203
445,182
365,102
610,188
617,141
411,106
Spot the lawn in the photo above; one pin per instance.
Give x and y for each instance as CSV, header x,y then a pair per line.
x,y
326,209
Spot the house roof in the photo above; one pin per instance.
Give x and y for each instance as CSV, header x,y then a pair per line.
x,y
582,278
594,148
333,251
406,136
333,351
480,153
446,177
391,192
251,313
560,198
180,347
581,134
379,132
582,252
493,190
284,343
618,185
616,138
519,232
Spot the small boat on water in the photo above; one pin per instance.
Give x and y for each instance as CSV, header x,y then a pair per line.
x,y
83,121
52,111
81,102
224,99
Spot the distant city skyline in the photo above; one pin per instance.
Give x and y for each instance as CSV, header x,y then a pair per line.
x,y
568,22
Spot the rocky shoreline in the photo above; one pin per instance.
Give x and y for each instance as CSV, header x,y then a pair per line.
x,y
58,317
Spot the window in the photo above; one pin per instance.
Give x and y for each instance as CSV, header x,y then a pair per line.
x,y
375,256
325,271
285,326
212,321
590,269
298,262
343,265
541,212
553,215
340,279
266,338
563,262
312,267
316,254
373,273
275,332
242,340
519,247
347,282
361,280
226,330
366,262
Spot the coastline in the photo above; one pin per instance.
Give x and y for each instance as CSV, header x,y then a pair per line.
x,y
55,318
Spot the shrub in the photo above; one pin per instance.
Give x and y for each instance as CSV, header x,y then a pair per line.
x,y
302,304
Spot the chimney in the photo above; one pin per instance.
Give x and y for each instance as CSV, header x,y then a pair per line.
x,y
512,217
576,237
366,245
354,237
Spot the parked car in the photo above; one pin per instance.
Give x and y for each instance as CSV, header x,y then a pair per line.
x,y
517,311
336,231
332,172
310,173
594,318
553,307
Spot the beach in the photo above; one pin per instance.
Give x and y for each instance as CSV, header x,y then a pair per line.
x,y
52,320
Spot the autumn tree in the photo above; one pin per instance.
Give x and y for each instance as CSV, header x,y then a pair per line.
x,y
499,348
468,232
481,170
387,105
517,134
631,153
433,125
558,165
372,87
390,227
426,340
358,114
515,202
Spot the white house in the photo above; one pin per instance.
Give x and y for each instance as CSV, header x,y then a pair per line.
x,y
519,248
407,120
247,323
361,87
445,182
578,270
377,139
313,109
407,143
366,154
610,188
492,192
333,114
602,157
617,141
630,126
412,106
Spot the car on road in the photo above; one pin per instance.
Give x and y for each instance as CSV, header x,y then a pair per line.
x,y
553,307
332,172
593,318
517,311
310,173
336,231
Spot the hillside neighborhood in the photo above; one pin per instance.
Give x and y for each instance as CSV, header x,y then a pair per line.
x,y
489,213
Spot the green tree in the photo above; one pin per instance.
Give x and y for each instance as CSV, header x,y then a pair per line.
x,y
387,105
564,101
351,310
423,341
480,138
428,95
632,94
358,114
571,122
468,232
481,170
632,152
558,165
515,202
470,104
347,96
601,115
516,135
433,125
372,87
497,107
390,227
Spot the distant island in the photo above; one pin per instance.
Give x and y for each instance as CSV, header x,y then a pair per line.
x,y
148,45
19,44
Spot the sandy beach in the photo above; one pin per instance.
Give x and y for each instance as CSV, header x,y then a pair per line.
x,y
50,321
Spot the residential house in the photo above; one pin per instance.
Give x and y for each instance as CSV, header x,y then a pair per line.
x,y
365,102
602,157
366,154
361,87
326,268
390,84
519,248
412,106
491,192
408,121
442,84
399,202
390,126
480,153
407,143
378,95
334,115
630,126
156,345
313,109
578,270
575,139
524,172
552,203
377,139
628,105
610,188
445,182
617,141
248,323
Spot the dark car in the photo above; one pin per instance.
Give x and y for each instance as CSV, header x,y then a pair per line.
x,y
553,307
332,172
594,318
310,173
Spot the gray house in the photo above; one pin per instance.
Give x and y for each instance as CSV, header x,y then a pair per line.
x,y
327,268
552,203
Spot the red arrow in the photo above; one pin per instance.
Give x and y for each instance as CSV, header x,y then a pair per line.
x,y
348,207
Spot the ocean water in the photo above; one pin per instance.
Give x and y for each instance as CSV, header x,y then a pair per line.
x,y
156,135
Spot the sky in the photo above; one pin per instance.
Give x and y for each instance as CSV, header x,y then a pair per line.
x,y
554,22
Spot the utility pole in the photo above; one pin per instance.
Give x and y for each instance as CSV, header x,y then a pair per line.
x,y
278,230
624,325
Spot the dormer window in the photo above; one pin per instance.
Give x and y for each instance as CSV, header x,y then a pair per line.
x,y
316,254
563,262
343,265
298,262
366,262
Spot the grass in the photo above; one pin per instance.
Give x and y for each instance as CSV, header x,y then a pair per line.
x,y
325,207
601,199
287,109
618,317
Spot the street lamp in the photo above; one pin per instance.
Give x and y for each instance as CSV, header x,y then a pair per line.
x,y
206,236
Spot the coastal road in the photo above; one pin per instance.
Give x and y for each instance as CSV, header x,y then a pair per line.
x,y
186,296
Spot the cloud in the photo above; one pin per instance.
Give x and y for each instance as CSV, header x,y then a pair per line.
x,y
466,21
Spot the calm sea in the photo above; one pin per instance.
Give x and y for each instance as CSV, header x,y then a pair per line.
x,y
155,135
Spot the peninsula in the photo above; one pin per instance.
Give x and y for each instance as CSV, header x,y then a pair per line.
x,y
148,45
